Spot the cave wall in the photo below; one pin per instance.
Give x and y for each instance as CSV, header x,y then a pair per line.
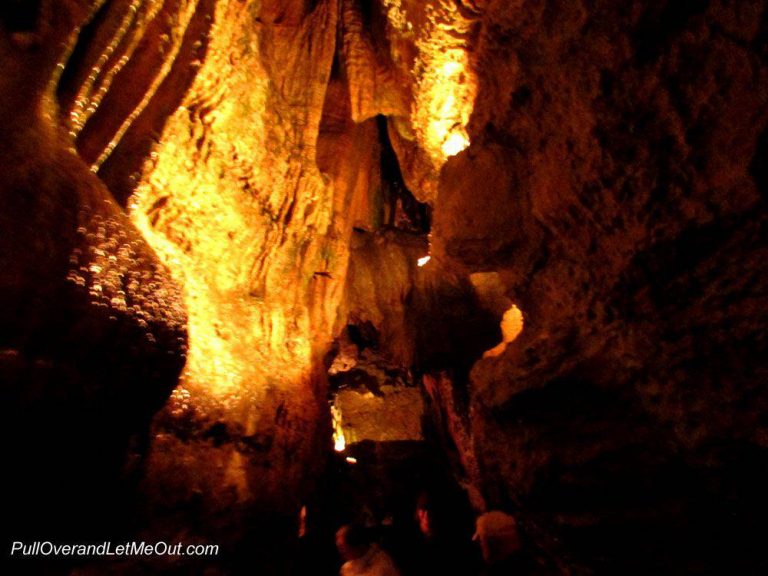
x,y
614,185
174,106
210,171
232,194
93,328
207,124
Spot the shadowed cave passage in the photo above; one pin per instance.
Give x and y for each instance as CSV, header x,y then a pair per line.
x,y
401,209
219,324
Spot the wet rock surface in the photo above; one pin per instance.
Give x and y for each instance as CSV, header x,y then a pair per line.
x,y
93,333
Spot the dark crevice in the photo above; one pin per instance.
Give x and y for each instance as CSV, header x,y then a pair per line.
x,y
78,66
660,24
759,165
363,335
400,208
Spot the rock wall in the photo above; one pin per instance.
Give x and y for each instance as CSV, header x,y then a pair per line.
x,y
614,185
93,329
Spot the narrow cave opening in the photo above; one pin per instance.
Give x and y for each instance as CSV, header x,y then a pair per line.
x,y
386,453
400,208
387,462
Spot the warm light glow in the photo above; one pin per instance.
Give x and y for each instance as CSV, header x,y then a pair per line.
x,y
196,221
511,324
446,85
450,69
455,143
397,16
423,260
211,201
351,460
339,442
303,522
511,327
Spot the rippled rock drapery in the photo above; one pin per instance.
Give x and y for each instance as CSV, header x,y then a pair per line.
x,y
204,118
215,161
250,227
93,328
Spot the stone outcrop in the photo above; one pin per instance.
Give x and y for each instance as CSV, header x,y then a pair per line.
x,y
613,184
93,329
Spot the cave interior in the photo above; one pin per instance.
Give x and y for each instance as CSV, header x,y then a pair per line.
x,y
268,267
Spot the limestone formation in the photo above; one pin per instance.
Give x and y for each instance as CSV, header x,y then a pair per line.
x,y
546,220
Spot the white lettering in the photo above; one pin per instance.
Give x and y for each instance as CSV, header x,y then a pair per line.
x,y
107,548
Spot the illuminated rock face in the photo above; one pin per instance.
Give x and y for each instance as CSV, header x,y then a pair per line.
x,y
211,122
410,61
232,199
250,195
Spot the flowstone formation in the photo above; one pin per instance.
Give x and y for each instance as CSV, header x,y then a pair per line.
x,y
235,136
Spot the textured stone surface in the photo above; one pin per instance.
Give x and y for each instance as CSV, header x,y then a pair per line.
x,y
612,184
394,413
613,190
232,195
93,329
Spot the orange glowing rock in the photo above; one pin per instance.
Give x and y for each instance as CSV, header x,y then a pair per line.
x,y
511,327
446,85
